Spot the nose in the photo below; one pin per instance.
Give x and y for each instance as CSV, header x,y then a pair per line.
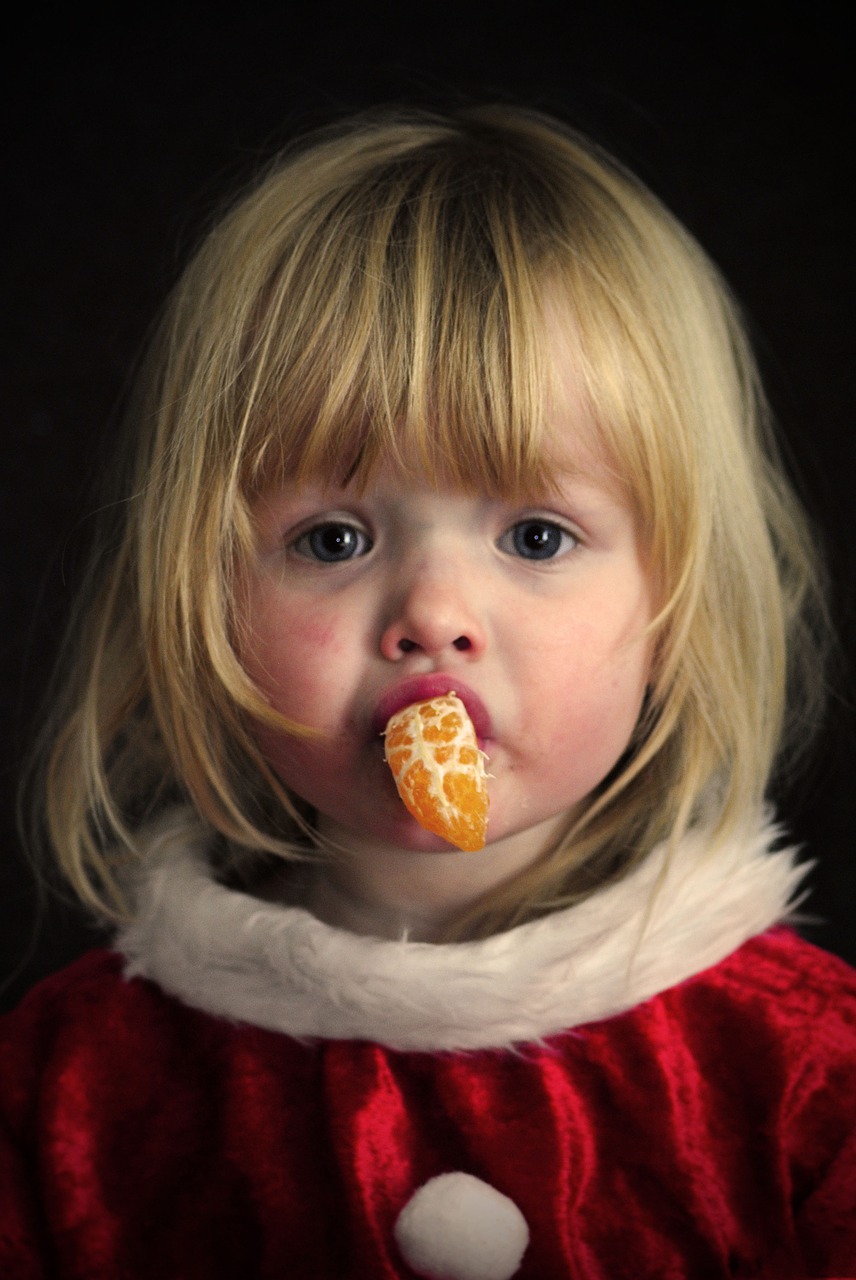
x,y
434,614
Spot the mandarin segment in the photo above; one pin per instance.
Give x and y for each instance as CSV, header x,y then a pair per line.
x,y
433,752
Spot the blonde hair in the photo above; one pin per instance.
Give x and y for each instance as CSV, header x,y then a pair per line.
x,y
380,291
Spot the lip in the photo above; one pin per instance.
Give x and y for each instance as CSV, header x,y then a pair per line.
x,y
420,689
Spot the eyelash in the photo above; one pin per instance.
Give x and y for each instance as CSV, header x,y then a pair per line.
x,y
348,537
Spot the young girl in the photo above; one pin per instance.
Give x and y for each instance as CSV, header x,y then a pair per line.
x,y
446,403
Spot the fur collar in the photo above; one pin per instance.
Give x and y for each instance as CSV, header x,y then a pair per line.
x,y
281,968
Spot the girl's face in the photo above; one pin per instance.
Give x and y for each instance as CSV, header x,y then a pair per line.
x,y
534,613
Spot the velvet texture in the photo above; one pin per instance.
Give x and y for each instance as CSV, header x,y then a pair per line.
x,y
709,1132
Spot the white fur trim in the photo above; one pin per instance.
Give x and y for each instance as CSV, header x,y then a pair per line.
x,y
281,968
456,1227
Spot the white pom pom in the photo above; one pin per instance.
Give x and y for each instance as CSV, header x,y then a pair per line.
x,y
457,1227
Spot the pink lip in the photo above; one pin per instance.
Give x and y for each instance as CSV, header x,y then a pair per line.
x,y
420,689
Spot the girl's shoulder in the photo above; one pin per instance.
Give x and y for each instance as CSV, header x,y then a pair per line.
x,y
777,1000
95,980
84,1012
781,966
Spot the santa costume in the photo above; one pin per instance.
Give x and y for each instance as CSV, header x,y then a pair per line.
x,y
658,1083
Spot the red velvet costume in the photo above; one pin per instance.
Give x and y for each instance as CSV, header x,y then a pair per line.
x,y
703,1127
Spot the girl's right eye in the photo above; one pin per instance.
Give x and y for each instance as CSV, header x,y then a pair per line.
x,y
332,542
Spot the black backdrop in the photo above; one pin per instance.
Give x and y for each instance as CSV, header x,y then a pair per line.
x,y
124,133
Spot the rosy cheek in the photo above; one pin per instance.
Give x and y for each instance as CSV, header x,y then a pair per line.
x,y
282,641
320,635
294,661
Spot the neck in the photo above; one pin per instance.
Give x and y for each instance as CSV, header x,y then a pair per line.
x,y
388,892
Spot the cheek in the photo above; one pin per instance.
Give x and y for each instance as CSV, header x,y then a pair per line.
x,y
590,699
280,629
583,743
292,654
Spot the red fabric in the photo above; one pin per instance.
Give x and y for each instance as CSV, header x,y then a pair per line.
x,y
710,1132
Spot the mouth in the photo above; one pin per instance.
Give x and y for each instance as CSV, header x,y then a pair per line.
x,y
420,689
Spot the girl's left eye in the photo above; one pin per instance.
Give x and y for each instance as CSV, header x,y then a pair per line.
x,y
332,542
537,539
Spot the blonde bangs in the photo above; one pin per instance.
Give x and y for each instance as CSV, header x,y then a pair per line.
x,y
417,338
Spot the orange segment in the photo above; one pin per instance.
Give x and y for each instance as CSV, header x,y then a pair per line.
x,y
433,752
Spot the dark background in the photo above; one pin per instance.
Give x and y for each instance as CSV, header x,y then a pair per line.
x,y
125,133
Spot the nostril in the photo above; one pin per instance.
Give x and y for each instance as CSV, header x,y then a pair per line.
x,y
407,646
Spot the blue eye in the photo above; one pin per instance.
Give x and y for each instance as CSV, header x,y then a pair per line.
x,y
537,539
332,542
